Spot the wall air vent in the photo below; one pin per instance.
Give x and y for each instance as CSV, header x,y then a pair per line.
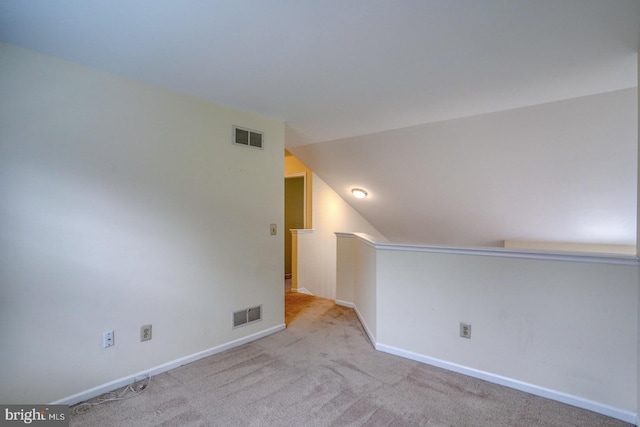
x,y
247,137
246,316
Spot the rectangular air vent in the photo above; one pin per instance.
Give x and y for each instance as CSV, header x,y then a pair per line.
x,y
246,316
247,137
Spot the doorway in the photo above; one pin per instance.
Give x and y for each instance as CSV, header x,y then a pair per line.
x,y
294,214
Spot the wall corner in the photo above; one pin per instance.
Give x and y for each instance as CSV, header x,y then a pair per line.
x,y
638,242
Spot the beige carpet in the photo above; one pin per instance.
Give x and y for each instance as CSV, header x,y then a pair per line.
x,y
322,371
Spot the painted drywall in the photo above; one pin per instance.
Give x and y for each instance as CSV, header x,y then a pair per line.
x,y
317,250
294,195
356,284
294,167
560,172
345,269
123,205
638,241
559,325
365,289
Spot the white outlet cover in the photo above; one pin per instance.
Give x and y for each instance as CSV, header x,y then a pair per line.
x,y
107,339
465,330
145,332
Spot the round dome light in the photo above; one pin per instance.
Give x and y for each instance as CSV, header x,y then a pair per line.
x,y
359,193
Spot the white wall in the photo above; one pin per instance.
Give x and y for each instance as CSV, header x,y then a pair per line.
x,y
317,250
356,279
560,328
560,325
120,205
638,235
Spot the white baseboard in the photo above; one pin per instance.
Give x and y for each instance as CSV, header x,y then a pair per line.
x,y
304,291
122,382
610,411
372,337
367,331
627,416
345,303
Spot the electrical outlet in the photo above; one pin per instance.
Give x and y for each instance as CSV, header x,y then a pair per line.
x,y
465,330
107,339
145,333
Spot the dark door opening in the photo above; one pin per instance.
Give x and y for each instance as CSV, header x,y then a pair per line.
x,y
293,214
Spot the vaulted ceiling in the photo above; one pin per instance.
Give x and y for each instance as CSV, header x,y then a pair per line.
x,y
435,106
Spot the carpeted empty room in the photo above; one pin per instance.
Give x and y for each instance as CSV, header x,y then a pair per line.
x,y
322,371
451,186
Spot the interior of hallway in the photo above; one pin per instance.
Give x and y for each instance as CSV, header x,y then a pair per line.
x,y
295,302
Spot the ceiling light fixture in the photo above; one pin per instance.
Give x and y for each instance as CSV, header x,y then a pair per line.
x,y
358,193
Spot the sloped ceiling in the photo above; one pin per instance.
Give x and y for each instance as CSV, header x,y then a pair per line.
x,y
434,106
559,172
